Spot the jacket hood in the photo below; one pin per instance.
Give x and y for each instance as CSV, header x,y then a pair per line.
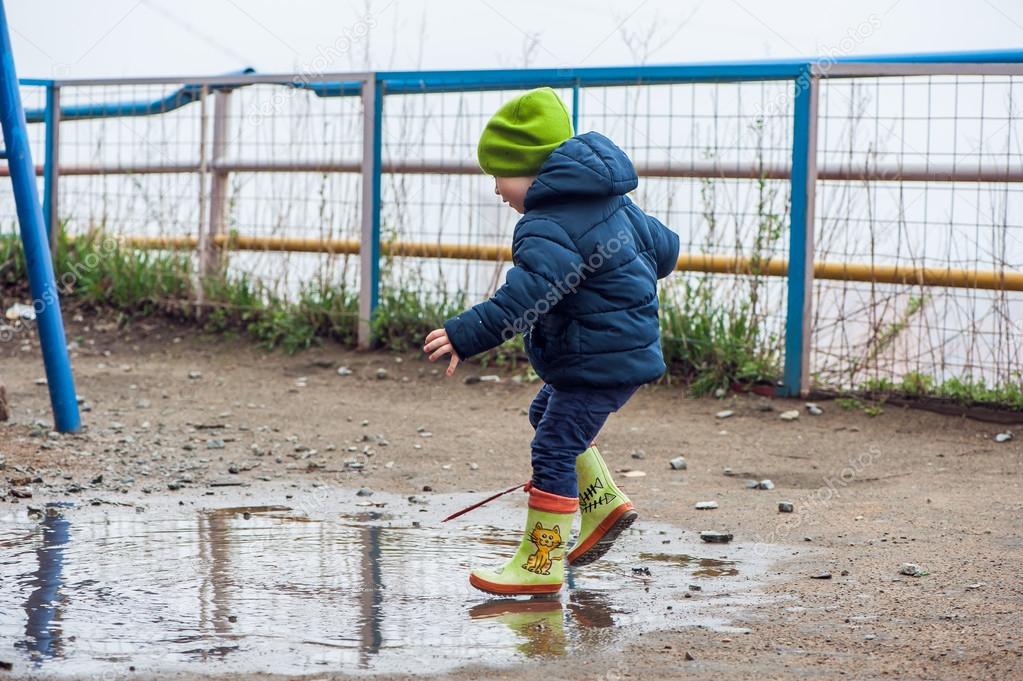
x,y
585,166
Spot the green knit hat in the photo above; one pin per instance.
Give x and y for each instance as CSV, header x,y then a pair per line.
x,y
523,133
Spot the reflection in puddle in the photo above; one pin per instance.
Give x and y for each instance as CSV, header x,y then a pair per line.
x,y
704,567
271,589
43,605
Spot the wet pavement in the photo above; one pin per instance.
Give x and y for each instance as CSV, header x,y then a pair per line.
x,y
325,581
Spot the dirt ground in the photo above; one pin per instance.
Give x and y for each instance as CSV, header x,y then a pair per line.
x,y
871,493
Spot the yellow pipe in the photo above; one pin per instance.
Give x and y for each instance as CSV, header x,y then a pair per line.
x,y
690,262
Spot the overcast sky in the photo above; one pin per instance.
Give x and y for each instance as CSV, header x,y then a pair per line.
x,y
67,38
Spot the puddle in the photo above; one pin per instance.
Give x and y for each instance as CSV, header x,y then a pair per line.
x,y
314,587
698,567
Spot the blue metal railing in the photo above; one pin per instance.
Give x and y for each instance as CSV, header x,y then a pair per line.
x,y
801,72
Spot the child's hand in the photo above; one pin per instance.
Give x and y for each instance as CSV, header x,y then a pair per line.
x,y
438,345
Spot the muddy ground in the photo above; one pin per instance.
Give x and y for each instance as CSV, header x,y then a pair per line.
x,y
871,493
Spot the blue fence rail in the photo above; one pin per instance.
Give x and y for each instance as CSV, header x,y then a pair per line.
x,y
804,75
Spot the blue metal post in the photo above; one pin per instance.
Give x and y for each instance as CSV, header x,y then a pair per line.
x,y
378,136
50,165
33,239
575,107
796,379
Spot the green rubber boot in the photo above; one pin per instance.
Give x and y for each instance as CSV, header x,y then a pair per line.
x,y
605,509
538,567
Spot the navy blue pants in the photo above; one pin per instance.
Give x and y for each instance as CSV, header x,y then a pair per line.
x,y
566,422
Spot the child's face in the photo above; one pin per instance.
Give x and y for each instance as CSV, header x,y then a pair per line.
x,y
512,191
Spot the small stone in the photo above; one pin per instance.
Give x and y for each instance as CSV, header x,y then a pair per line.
x,y
821,575
695,587
706,505
974,587
786,507
765,484
215,444
912,570
143,404
427,488
364,492
728,471
381,373
813,409
720,393
344,371
639,454
715,537
633,474
473,466
40,381
232,618
678,463
21,493
173,486
490,378
724,414
689,656
1005,437
790,415
195,375
97,479
752,484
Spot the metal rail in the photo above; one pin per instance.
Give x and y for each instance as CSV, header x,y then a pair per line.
x,y
687,262
889,172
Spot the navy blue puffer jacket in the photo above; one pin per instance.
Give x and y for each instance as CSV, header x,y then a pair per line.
x,y
583,288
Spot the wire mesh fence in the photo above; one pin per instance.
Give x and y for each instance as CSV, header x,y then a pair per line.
x,y
274,172
876,334
737,132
